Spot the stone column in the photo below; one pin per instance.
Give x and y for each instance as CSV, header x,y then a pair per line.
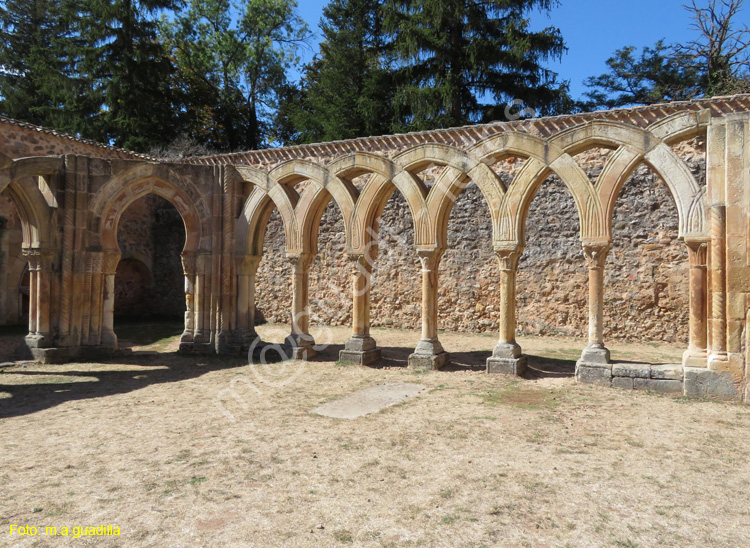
x,y
247,268
507,358
201,299
360,348
110,259
429,353
718,352
697,352
594,365
300,343
189,269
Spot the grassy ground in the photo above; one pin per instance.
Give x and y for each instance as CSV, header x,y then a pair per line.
x,y
197,451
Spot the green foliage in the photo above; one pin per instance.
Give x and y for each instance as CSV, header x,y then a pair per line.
x,y
455,55
715,62
130,72
658,74
232,69
38,82
347,91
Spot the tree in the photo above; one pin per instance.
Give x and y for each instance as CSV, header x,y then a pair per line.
x,y
129,72
654,76
457,54
231,70
347,90
716,62
38,83
722,48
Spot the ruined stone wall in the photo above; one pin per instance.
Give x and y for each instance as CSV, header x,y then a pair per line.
x,y
21,140
646,276
149,280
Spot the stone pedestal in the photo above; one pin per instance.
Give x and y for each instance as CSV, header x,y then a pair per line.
x,y
507,360
360,351
429,354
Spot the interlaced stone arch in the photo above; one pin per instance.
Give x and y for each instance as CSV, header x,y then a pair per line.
x,y
226,202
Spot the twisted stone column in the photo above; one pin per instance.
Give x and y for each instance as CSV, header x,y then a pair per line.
x,y
361,347
429,353
507,358
718,350
697,352
299,342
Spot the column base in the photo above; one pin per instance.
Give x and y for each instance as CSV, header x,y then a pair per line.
x,y
429,355
695,358
595,355
429,362
37,340
356,357
506,366
299,347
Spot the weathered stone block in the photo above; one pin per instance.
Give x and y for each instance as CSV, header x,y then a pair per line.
x,y
667,372
658,385
632,370
506,366
625,383
594,373
429,362
704,383
359,357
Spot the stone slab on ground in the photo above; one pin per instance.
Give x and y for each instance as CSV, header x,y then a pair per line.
x,y
369,400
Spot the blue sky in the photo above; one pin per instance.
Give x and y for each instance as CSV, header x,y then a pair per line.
x,y
592,29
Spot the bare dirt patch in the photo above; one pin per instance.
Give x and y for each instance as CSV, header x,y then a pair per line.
x,y
200,451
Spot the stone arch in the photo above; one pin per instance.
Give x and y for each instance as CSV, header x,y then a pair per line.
x,y
461,167
33,211
122,191
258,207
683,187
315,199
681,126
388,177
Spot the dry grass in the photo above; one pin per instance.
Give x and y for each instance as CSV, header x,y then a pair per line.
x,y
475,461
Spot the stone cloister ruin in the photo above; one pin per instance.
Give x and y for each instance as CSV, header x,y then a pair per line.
x,y
70,195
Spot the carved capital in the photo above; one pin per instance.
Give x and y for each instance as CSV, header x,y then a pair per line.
x,y
596,255
507,257
189,263
39,259
301,261
94,263
110,260
697,251
247,265
430,258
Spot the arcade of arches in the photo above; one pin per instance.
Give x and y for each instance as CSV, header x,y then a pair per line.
x,y
70,197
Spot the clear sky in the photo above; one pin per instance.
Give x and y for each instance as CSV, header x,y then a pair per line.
x,y
592,29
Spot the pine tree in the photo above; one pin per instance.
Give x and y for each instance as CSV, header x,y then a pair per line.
x,y
38,82
463,60
347,91
129,71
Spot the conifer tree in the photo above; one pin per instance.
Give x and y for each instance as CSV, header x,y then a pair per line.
x,y
462,61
